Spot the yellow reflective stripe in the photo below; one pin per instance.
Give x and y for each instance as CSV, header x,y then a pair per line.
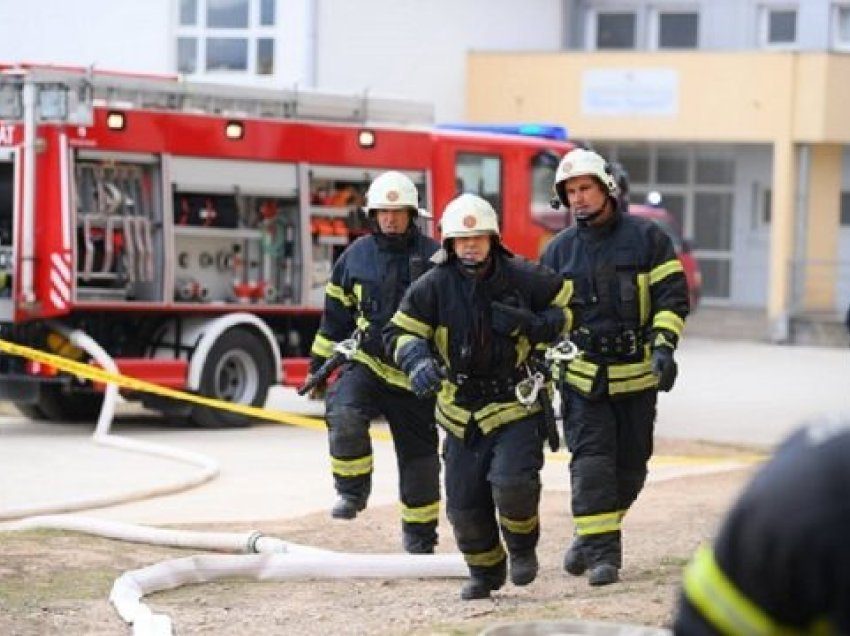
x,y
401,341
352,467
507,412
673,266
338,293
644,301
522,347
358,292
668,320
322,346
720,602
486,559
597,524
582,383
631,386
421,514
447,423
363,323
388,374
522,526
629,370
564,294
578,365
441,340
408,323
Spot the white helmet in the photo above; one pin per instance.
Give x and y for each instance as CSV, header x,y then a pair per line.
x,y
581,162
392,191
468,215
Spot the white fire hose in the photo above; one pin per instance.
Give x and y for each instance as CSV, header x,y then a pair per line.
x,y
272,558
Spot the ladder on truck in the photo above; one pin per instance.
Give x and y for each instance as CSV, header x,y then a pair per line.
x,y
84,88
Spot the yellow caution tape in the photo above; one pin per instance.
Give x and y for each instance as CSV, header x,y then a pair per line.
x,y
96,374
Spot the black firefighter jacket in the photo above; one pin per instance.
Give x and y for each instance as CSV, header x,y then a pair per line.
x,y
452,311
367,284
628,295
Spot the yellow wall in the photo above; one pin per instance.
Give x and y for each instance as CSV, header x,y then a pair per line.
x,y
779,98
823,219
723,97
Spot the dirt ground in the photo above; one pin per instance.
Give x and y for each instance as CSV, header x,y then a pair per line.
x,y
58,582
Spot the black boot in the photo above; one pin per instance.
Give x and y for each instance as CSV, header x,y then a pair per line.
x,y
524,567
345,508
575,561
418,544
484,581
603,574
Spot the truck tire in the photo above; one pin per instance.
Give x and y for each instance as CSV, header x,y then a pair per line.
x,y
62,406
30,411
238,369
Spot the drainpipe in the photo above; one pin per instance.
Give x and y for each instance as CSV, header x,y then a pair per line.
x,y
27,296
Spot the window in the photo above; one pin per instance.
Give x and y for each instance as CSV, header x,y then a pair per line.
x,y
672,165
187,55
481,175
841,26
227,54
232,36
267,8
678,30
188,12
615,30
778,26
227,14
265,56
845,209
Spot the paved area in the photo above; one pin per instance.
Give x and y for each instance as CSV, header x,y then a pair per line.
x,y
735,392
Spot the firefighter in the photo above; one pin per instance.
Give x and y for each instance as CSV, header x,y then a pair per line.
x,y
464,331
366,285
781,561
630,301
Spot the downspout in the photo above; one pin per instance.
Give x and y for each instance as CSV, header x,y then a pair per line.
x,y
27,296
797,301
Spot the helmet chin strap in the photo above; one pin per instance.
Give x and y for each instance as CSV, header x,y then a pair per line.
x,y
472,267
586,219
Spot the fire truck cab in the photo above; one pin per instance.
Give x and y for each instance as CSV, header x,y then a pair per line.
x,y
190,229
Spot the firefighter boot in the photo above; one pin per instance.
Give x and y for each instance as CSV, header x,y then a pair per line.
x,y
346,508
575,561
603,574
418,544
524,567
482,581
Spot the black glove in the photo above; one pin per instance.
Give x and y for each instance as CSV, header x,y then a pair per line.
x,y
664,367
426,377
509,321
317,392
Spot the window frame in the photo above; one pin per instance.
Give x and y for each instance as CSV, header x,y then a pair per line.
x,y
253,34
834,10
654,26
765,10
592,25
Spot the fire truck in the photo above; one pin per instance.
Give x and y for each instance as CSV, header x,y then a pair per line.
x,y
190,229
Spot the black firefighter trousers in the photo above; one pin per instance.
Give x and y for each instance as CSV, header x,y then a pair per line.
x,y
611,443
353,401
493,483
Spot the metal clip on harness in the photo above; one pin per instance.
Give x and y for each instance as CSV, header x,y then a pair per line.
x,y
527,390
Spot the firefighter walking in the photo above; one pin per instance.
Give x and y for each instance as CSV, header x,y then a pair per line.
x,y
464,331
366,285
630,302
781,561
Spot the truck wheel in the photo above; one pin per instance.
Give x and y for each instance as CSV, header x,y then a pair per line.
x,y
238,369
59,405
31,411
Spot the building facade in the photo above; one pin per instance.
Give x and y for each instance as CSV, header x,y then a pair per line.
x,y
733,109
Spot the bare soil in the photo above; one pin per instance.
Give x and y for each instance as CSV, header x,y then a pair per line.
x,y
58,582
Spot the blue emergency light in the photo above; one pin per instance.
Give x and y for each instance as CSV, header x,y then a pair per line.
x,y
544,131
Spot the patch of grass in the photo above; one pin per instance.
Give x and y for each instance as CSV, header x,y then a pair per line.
x,y
58,586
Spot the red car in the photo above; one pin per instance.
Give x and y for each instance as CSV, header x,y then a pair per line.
x,y
668,223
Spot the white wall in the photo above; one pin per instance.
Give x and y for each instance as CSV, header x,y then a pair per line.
x,y
130,35
417,48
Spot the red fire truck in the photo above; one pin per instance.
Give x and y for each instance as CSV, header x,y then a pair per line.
x,y
190,229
